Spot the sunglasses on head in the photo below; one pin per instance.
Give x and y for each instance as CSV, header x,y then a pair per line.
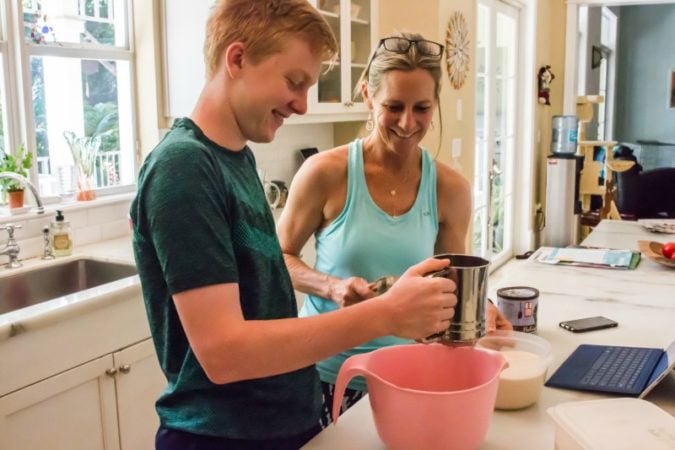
x,y
402,45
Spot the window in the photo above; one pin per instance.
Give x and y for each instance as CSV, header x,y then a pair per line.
x,y
3,102
75,58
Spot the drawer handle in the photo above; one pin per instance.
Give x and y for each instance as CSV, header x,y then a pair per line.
x,y
125,368
111,372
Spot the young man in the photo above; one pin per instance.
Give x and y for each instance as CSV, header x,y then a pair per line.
x,y
219,299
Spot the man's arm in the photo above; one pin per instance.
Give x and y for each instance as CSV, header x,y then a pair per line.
x,y
230,348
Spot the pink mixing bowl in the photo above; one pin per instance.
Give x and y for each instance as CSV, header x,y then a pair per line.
x,y
427,396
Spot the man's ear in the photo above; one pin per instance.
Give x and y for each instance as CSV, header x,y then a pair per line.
x,y
234,59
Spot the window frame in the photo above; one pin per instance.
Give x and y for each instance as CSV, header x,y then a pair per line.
x,y
18,81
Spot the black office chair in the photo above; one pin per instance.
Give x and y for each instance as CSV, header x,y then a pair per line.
x,y
644,193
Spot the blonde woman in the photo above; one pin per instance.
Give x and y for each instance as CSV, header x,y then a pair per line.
x,y
379,204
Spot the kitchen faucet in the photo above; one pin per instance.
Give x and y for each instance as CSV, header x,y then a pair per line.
x,y
11,248
25,183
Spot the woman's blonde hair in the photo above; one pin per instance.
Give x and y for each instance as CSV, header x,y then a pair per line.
x,y
383,61
264,26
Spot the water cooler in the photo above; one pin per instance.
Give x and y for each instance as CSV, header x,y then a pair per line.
x,y
563,169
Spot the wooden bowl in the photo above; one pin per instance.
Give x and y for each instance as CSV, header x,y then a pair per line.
x,y
653,251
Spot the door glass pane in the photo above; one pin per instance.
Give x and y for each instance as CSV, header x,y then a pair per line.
x,y
501,188
501,108
481,40
481,99
3,137
480,198
505,45
92,99
478,233
497,214
480,184
84,22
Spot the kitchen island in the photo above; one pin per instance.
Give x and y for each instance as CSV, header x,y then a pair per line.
x,y
642,301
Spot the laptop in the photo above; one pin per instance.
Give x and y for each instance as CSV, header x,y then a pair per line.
x,y
633,371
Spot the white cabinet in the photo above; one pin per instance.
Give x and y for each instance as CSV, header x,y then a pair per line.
x,y
138,383
74,410
107,403
353,22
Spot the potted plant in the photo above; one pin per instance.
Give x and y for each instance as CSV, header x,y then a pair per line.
x,y
19,164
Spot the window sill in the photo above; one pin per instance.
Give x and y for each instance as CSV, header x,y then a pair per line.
x,y
7,217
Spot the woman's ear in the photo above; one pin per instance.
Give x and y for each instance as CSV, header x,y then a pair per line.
x,y
366,95
234,59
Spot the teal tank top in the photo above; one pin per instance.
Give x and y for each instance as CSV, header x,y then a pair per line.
x,y
365,241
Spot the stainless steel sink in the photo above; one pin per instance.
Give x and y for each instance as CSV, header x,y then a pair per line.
x,y
53,281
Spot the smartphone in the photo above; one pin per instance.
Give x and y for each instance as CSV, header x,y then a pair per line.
x,y
588,324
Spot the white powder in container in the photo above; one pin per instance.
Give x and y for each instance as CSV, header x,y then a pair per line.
x,y
521,382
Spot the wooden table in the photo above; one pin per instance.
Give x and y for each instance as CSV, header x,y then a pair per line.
x,y
642,301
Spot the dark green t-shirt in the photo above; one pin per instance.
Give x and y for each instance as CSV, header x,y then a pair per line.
x,y
200,218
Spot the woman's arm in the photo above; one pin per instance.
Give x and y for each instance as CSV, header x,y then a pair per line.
x,y
316,197
453,193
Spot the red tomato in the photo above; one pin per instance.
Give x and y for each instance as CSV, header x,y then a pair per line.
x,y
668,250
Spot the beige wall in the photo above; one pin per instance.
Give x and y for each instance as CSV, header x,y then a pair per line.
x,y
551,24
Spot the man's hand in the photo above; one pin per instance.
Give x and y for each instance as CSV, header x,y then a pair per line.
x,y
421,306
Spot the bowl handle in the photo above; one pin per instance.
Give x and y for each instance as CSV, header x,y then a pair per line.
x,y
353,366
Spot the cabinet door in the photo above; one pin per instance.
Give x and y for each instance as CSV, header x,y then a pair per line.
x,y
352,22
139,382
74,410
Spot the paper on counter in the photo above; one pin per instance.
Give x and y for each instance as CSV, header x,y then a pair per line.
x,y
587,257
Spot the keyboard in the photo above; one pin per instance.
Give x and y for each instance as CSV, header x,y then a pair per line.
x,y
617,367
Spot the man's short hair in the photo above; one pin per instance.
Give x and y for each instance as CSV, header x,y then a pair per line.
x,y
264,26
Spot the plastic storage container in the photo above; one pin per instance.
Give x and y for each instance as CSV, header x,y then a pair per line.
x,y
529,357
612,424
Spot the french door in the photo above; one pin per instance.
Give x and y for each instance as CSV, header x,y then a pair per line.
x,y
496,125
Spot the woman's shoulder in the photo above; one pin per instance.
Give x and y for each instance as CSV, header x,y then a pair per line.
x,y
327,163
451,179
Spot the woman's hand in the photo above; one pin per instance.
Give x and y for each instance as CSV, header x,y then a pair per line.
x,y
349,291
496,320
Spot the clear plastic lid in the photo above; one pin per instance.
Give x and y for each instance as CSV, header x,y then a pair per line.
x,y
616,424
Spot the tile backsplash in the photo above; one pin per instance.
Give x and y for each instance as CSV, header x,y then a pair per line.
x,y
88,225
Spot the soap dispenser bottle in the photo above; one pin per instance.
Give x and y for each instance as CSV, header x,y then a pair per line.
x,y
61,239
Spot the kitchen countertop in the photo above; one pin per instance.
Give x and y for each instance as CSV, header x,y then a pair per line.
x,y
640,300
45,313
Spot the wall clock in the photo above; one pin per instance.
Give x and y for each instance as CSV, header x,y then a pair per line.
x,y
457,49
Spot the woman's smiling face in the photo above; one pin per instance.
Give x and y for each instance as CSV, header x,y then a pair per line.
x,y
403,107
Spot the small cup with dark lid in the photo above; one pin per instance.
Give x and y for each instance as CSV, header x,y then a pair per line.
x,y
519,304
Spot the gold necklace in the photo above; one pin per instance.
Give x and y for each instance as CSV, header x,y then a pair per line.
x,y
392,191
